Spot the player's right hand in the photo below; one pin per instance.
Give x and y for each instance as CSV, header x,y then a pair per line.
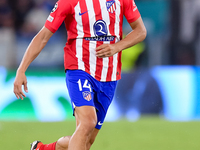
x,y
19,81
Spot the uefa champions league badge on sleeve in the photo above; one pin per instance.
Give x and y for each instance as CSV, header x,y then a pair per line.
x,y
55,7
111,6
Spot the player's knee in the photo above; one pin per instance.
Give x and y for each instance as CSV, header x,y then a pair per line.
x,y
92,123
62,143
88,125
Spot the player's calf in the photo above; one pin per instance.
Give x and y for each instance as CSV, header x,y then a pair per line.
x,y
63,143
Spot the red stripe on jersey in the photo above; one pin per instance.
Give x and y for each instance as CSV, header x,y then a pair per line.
x,y
99,62
99,69
110,69
70,61
112,32
86,53
119,66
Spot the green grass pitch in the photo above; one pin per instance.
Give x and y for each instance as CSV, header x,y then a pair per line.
x,y
148,133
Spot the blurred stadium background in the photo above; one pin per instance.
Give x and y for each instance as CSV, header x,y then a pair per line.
x,y
160,79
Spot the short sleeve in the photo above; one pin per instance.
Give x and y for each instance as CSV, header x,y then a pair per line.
x,y
131,11
58,14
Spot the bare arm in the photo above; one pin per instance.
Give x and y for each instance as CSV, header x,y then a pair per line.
x,y
33,50
137,35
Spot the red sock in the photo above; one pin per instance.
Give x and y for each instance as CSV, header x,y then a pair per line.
x,y
51,146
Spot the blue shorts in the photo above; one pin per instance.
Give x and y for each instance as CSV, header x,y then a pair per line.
x,y
84,90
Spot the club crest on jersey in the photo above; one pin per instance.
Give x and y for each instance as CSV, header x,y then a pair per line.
x,y
87,95
55,7
111,6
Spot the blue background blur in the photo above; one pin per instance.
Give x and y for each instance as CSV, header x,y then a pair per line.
x,y
163,77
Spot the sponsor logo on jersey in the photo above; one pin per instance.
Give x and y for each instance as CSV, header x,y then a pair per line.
x,y
55,7
111,6
100,28
100,32
87,95
100,38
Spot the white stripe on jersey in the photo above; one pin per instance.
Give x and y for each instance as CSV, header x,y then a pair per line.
x,y
117,20
91,14
105,14
92,47
92,44
79,42
115,57
106,18
105,68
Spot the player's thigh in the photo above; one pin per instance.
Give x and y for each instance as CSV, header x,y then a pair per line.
x,y
85,115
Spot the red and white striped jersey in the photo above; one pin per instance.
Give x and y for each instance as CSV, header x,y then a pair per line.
x,y
90,23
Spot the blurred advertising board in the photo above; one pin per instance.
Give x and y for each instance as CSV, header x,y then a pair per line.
x,y
48,98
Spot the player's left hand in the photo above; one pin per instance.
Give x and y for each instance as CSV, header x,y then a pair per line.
x,y
106,50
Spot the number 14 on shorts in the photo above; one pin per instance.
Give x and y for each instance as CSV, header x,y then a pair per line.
x,y
85,85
